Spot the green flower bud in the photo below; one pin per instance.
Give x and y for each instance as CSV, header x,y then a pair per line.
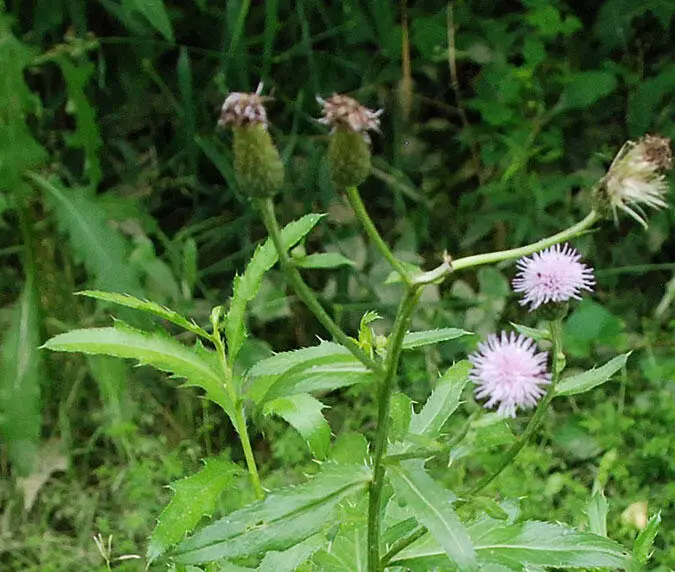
x,y
258,167
349,148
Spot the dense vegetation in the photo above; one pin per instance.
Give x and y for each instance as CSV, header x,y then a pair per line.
x,y
499,119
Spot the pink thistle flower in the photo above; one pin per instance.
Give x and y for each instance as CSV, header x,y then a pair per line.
x,y
510,372
552,275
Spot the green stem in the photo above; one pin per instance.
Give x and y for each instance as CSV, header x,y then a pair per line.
x,y
491,257
238,417
394,349
371,231
557,364
305,293
402,543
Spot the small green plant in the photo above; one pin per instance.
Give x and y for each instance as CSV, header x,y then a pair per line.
x,y
376,505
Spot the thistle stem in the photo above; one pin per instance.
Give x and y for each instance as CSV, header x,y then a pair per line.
x,y
492,257
374,235
305,293
394,349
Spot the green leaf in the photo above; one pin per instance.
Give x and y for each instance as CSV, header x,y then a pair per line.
x,y
156,14
646,102
303,412
194,497
196,364
247,285
442,402
589,379
282,362
323,260
432,506
101,249
148,307
528,544
348,551
400,412
597,510
587,87
289,560
417,339
535,333
87,134
642,548
285,518
20,379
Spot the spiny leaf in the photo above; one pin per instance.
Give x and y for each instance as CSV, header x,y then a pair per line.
x,y
283,519
642,548
282,362
149,307
418,339
529,543
194,497
20,378
158,350
347,552
323,260
432,506
289,560
247,285
303,412
102,250
591,378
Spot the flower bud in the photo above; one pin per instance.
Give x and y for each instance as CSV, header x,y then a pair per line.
x,y
257,164
349,148
636,178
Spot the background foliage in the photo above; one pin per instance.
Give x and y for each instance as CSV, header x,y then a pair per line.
x,y
112,176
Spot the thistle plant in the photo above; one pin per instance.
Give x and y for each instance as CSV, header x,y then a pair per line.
x,y
376,504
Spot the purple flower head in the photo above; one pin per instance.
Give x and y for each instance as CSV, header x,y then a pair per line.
x,y
552,275
510,372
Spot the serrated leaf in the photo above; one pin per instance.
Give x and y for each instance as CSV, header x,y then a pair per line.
x,y
642,548
347,552
535,333
431,505
443,401
247,285
597,510
101,249
528,544
281,520
592,378
323,260
157,16
194,497
20,380
149,307
400,412
289,560
418,339
303,412
158,350
281,362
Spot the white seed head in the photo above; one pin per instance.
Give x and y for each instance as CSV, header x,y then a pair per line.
x,y
241,109
636,178
341,111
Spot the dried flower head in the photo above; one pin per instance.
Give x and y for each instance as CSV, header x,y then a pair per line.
x,y
636,178
341,111
241,109
552,275
509,371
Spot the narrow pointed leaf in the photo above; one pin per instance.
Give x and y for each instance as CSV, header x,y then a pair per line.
x,y
289,560
197,365
431,505
597,510
591,378
285,518
281,362
418,339
194,497
157,16
642,548
148,307
247,285
323,260
303,412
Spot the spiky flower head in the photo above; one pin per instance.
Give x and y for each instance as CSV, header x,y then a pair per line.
x,y
257,164
510,372
552,275
636,178
349,149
